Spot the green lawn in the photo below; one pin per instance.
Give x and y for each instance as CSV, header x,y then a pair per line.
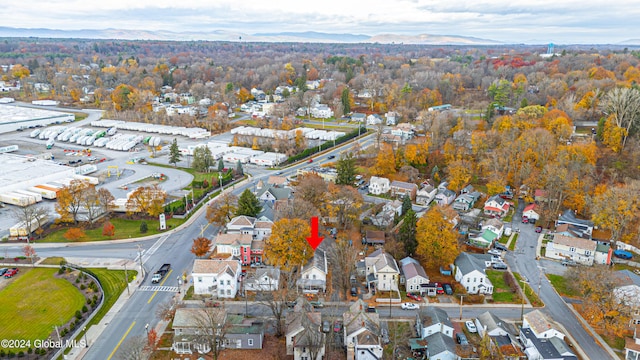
x,y
512,246
113,284
561,286
26,314
502,293
124,229
532,296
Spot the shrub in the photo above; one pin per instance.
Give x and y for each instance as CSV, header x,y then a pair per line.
x,y
21,354
78,314
74,234
29,351
82,287
77,280
84,309
108,229
144,227
60,271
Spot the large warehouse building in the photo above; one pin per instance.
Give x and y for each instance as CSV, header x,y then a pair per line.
x,y
13,117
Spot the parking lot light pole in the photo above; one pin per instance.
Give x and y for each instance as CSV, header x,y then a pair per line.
x,y
524,284
86,342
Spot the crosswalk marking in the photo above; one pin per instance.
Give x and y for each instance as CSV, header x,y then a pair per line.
x,y
159,288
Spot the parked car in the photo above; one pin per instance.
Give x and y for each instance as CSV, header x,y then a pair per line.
x,y
447,289
494,252
326,326
568,263
410,306
354,291
439,289
337,326
414,297
461,338
317,304
371,309
310,160
471,327
9,273
3,271
525,220
499,266
291,304
500,247
538,229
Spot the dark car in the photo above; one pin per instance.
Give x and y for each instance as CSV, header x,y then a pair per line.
x,y
331,157
500,247
354,291
538,229
3,271
461,338
447,289
371,309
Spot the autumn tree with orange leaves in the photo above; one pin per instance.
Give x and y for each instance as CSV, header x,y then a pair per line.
x,y
201,246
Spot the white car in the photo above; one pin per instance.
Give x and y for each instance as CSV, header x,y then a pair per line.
x,y
495,252
471,327
410,306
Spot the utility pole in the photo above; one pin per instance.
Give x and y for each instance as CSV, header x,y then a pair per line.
x,y
524,284
140,260
126,278
461,297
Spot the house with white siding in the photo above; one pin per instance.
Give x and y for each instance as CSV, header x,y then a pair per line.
x,y
413,275
214,277
470,272
580,250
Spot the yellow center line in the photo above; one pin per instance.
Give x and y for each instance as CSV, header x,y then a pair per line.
x,y
161,284
121,340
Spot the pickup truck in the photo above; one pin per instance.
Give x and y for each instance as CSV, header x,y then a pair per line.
x,y
158,275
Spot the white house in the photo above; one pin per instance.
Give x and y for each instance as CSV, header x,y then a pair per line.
x,y
632,346
496,206
445,196
628,292
491,325
470,272
264,279
431,320
494,225
216,277
189,330
362,331
413,275
392,118
541,340
441,347
540,326
379,185
426,194
374,119
531,212
580,250
382,271
358,117
258,228
321,111
313,276
303,336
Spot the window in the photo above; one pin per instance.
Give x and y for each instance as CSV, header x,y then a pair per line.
x,y
199,278
587,252
221,292
250,342
572,249
228,282
221,282
481,279
314,276
228,292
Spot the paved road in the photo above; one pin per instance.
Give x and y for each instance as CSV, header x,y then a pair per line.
x,y
522,260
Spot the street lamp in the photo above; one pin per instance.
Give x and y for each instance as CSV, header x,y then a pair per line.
x,y
220,178
86,342
540,278
524,283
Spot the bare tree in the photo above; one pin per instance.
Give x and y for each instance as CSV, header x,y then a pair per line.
x,y
342,256
105,199
31,215
134,348
211,323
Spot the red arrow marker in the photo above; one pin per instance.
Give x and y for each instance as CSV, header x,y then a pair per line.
x,y
314,240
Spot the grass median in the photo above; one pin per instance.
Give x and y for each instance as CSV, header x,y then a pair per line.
x,y
124,229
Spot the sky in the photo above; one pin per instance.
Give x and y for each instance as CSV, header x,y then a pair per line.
x,y
510,21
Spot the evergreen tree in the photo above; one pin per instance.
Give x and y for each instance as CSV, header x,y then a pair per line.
x,y
174,153
406,204
346,169
248,204
346,101
202,159
407,232
239,169
220,165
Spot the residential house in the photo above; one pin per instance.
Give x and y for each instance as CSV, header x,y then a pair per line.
x,y
358,117
604,252
540,196
191,333
441,347
257,251
216,277
628,292
374,119
466,201
382,271
570,248
426,194
321,111
483,239
405,131
374,237
238,245
413,275
470,272
581,225
327,174
467,189
392,118
313,276
259,229
362,331
264,279
445,196
277,181
271,194
541,340
242,333
496,206
492,325
388,214
432,320
570,231
401,188
495,225
379,185
304,338
632,346
530,212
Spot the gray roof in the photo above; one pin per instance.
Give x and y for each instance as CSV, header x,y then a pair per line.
x,y
412,269
497,199
319,260
381,259
569,217
432,315
492,322
627,277
278,193
549,348
467,262
438,343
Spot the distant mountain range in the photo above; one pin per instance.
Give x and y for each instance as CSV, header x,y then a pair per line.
x,y
222,35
